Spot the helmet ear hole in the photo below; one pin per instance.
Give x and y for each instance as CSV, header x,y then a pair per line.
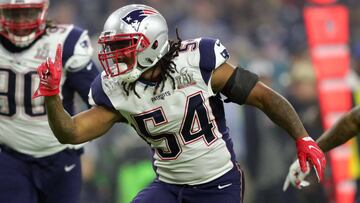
x,y
149,60
155,45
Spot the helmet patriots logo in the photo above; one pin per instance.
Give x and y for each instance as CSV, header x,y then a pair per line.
x,y
134,18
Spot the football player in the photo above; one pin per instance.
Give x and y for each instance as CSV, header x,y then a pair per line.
x,y
169,92
343,130
35,167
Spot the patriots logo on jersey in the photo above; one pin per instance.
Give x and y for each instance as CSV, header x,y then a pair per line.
x,y
225,54
134,18
84,44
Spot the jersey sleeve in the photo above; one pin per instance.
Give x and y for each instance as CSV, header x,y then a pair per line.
x,y
97,96
77,51
212,54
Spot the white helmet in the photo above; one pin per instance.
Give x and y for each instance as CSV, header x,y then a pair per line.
x,y
135,37
22,21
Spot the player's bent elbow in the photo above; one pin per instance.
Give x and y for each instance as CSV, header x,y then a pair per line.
x,y
64,140
69,139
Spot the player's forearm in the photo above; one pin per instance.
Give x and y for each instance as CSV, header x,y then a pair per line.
x,y
281,112
59,120
342,131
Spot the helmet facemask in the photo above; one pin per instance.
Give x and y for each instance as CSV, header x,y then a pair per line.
x,y
118,54
22,23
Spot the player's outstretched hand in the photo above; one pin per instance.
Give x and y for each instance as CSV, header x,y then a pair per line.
x,y
308,150
296,177
50,75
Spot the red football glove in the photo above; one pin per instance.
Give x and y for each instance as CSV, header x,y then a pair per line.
x,y
308,150
50,75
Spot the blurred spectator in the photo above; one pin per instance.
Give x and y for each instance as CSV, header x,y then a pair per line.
x,y
65,12
203,19
303,97
263,144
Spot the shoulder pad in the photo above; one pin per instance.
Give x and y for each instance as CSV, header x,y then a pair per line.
x,y
97,95
212,53
78,50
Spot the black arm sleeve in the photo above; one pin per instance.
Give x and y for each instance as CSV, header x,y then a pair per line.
x,y
239,85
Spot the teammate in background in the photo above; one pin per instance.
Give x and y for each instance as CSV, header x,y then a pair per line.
x,y
34,166
343,130
169,92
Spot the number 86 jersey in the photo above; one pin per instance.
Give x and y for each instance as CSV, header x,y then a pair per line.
x,y
23,121
184,126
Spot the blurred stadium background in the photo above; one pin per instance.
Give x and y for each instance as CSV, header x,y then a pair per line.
x,y
266,36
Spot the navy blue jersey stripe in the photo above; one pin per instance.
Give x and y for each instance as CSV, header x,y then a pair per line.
x,y
67,93
218,111
230,146
81,81
98,94
217,107
70,43
207,57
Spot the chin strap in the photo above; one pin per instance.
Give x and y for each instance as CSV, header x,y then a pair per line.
x,y
136,72
130,76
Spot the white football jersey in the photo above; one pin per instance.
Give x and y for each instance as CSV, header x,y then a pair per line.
x,y
184,126
23,121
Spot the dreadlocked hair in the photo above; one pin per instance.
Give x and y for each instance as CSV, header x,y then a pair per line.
x,y
51,24
166,65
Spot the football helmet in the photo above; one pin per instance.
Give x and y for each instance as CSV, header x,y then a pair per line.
x,y
134,39
22,21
